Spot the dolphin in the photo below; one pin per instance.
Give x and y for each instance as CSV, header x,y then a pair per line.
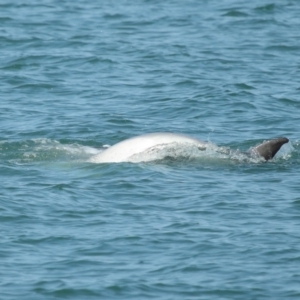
x,y
125,150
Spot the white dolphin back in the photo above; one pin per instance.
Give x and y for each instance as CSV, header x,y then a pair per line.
x,y
123,151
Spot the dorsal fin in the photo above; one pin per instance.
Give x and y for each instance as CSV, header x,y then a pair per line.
x,y
268,149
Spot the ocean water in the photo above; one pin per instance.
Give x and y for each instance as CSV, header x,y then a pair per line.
x,y
78,76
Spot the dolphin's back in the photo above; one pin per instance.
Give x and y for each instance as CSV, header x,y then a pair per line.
x,y
122,151
126,150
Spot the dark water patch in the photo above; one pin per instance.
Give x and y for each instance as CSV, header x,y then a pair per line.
x,y
114,16
235,13
283,48
268,8
5,19
289,102
74,293
186,83
244,86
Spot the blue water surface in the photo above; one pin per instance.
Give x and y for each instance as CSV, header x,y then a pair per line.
x,y
76,76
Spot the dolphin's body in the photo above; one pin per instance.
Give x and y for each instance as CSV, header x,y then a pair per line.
x,y
125,150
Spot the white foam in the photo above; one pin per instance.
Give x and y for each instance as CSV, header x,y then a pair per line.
x,y
47,149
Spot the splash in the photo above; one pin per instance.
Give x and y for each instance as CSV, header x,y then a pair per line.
x,y
39,150
186,152
211,154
